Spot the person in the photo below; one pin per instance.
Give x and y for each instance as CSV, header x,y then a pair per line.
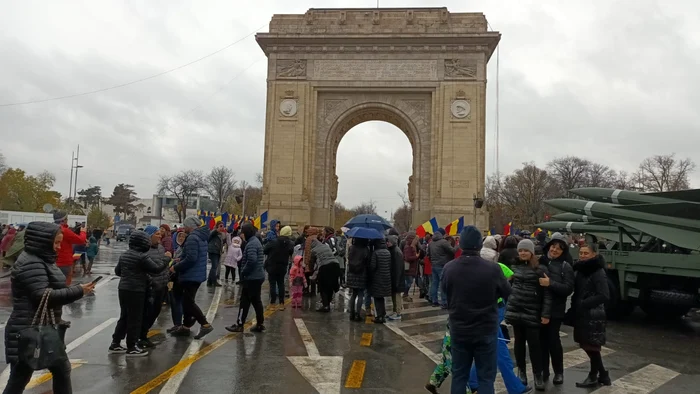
x,y
440,253
311,234
133,268
411,256
529,307
326,271
561,284
233,257
214,247
278,251
252,278
508,251
358,259
473,287
488,251
588,310
7,241
166,238
92,250
64,261
398,278
380,278
275,228
16,248
191,272
174,288
297,281
341,252
158,289
35,271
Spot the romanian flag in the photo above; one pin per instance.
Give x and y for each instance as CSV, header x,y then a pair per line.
x,y
506,228
260,220
455,227
431,226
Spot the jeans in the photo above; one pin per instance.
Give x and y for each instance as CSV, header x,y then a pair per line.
x,y
531,335
190,308
68,273
176,304
130,318
435,286
551,345
482,351
151,310
232,271
250,294
356,299
276,288
214,270
21,374
408,281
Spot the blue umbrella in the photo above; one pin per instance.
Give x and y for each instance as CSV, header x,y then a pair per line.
x,y
369,221
364,232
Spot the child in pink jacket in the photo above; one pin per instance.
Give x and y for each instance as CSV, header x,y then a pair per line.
x,y
297,281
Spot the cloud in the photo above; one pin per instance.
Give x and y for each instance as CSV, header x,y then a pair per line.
x,y
611,81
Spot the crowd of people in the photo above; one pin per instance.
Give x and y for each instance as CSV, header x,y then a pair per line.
x,y
483,283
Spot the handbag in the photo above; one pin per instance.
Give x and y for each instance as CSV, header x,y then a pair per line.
x,y
41,345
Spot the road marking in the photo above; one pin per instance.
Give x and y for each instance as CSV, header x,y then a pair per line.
x,y
429,353
641,381
430,337
5,376
175,381
104,281
152,333
424,320
158,380
44,377
324,373
421,309
369,319
309,343
366,339
356,374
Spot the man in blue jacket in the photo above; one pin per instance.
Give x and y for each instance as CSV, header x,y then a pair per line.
x,y
192,271
252,278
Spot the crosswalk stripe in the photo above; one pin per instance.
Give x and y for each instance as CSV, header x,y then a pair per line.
x,y
421,309
641,381
424,320
430,337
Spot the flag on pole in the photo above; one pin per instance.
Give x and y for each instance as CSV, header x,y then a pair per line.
x,y
455,227
260,220
430,226
506,228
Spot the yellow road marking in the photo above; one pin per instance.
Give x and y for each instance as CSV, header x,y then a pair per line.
x,y
356,374
228,302
152,333
369,319
177,368
366,339
38,381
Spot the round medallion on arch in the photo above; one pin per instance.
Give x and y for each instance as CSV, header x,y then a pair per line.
x,y
461,109
288,107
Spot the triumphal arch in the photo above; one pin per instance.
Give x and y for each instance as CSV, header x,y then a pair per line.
x,y
421,69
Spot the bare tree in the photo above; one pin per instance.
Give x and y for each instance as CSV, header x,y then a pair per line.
x,y
403,214
662,173
183,186
369,207
220,184
600,175
3,164
523,194
570,172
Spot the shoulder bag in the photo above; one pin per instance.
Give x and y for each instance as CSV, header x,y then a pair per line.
x,y
41,345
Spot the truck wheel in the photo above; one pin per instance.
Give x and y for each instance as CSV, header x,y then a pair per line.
x,y
673,298
664,312
616,308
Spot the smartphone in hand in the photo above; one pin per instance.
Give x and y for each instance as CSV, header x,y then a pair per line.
x,y
96,280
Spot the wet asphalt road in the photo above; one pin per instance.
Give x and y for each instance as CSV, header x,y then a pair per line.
x,y
652,357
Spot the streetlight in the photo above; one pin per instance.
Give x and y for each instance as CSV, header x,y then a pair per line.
x,y
478,203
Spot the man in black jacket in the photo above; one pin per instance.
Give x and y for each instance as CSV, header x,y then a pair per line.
x,y
473,287
278,252
214,251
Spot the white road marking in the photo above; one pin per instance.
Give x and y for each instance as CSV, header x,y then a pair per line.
x,y
429,353
105,280
641,381
173,384
5,376
430,337
424,320
309,343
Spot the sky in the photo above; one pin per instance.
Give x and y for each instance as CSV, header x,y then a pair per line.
x,y
614,82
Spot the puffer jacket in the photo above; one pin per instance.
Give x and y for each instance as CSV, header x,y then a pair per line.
x,y
215,243
398,276
528,301
278,252
508,255
410,255
193,265
561,277
253,260
159,281
358,262
380,271
440,251
588,302
135,267
321,254
34,271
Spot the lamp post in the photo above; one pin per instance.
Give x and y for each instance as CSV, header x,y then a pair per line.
x,y
478,203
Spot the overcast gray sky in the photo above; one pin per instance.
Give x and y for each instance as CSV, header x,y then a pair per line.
x,y
613,81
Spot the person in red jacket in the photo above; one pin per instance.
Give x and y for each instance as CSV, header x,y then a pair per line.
x,y
64,261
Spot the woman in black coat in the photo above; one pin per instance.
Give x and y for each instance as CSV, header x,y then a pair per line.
x,y
588,311
35,271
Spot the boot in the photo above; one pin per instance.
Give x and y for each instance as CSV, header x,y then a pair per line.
x,y
522,375
539,382
591,381
558,379
604,378
431,388
352,316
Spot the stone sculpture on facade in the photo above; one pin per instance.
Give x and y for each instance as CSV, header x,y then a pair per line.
x,y
455,69
411,189
334,188
293,69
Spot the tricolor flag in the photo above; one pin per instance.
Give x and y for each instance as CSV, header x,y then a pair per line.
x,y
506,228
455,227
260,220
431,226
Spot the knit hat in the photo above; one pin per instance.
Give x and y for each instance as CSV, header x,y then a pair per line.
x,y
165,226
192,222
442,231
393,239
470,238
526,244
59,216
150,230
286,231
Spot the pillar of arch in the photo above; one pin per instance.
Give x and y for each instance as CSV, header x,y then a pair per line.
x,y
421,69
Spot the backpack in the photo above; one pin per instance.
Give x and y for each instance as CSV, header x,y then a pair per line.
x,y
357,266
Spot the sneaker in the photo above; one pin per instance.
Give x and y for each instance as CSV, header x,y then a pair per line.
x,y
431,388
258,328
172,329
234,328
394,316
281,307
116,348
136,352
204,330
182,331
145,344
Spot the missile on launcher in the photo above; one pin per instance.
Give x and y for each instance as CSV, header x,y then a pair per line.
x,y
599,230
627,197
573,217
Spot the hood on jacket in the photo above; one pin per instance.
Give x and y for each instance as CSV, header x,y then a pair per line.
x,y
589,266
510,242
393,239
437,236
561,240
236,242
380,244
38,240
140,241
92,239
490,243
409,238
248,231
272,234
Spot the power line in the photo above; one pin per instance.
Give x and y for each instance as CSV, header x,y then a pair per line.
x,y
134,81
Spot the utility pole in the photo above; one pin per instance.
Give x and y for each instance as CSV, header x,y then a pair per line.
x,y
77,165
70,183
245,187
